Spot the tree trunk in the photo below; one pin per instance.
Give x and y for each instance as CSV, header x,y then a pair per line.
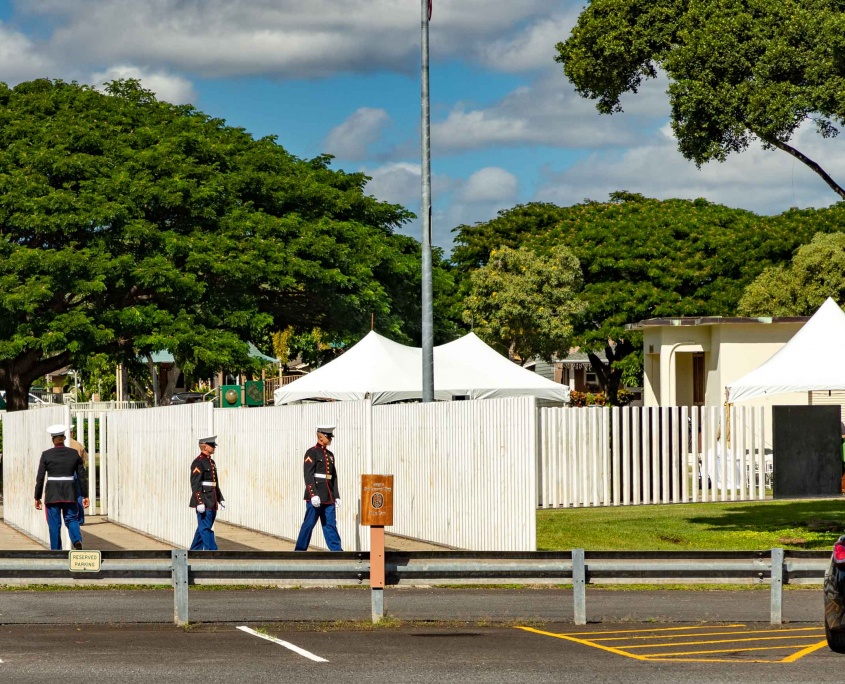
x,y
609,377
18,374
172,376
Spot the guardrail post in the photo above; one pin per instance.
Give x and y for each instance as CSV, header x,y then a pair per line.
x,y
377,572
777,586
179,560
579,581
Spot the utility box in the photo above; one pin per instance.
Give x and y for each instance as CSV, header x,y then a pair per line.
x,y
254,393
807,451
230,396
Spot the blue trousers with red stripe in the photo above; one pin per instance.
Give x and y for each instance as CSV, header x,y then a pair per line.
x,y
55,512
325,513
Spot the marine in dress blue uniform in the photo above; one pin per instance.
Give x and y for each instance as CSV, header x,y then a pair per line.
x,y
322,493
206,496
64,471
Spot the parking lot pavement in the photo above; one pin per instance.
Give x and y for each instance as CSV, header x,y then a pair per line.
x,y
443,653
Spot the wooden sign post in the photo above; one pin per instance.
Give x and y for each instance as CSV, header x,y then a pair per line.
x,y
377,512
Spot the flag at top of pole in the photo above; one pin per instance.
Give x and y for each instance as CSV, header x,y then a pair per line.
x,y
429,10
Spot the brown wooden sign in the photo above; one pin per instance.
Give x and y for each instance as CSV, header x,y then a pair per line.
x,y
377,500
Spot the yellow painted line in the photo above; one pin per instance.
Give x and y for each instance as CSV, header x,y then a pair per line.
x,y
725,641
723,650
677,656
584,642
801,654
682,636
661,629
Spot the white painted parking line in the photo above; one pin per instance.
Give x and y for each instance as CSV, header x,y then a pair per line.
x,y
286,644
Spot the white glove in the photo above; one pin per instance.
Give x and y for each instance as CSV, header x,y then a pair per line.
x,y
337,503
315,501
223,505
201,508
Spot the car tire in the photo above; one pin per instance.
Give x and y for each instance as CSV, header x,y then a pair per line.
x,y
835,639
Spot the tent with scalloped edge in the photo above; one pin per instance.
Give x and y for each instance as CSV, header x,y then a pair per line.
x,y
810,361
388,371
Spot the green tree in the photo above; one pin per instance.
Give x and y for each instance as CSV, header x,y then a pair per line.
x,y
738,70
129,226
643,258
800,287
523,304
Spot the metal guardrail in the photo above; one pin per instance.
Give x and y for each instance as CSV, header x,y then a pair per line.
x,y
183,568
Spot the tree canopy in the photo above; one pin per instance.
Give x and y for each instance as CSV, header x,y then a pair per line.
x,y
738,70
130,225
800,287
645,258
523,303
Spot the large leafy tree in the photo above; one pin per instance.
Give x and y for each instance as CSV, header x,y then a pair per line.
x,y
644,258
523,303
800,287
738,70
129,225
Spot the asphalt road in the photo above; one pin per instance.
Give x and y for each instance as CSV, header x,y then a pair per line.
x,y
736,653
432,635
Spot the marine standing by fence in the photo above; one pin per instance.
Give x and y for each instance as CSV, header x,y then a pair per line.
x,y
205,495
63,468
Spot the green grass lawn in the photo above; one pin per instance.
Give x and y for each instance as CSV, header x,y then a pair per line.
x,y
741,525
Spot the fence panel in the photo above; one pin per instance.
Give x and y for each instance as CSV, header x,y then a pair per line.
x,y
464,472
261,453
149,457
630,455
24,438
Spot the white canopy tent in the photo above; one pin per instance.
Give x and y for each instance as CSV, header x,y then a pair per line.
x,y
811,360
388,371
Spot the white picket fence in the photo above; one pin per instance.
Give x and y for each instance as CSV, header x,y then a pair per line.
x,y
463,471
467,474
628,456
24,438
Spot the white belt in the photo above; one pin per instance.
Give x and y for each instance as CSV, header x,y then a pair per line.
x,y
55,479
323,477
209,484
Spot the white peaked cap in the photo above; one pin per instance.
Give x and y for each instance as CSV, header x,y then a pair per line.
x,y
57,429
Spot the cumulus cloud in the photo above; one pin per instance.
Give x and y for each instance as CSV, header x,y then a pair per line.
x,y
490,185
283,38
764,181
549,112
168,87
351,139
532,48
20,57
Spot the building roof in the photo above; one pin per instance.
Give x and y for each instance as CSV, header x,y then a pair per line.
x,y
713,320
167,357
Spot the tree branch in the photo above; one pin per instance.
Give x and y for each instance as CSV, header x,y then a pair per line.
x,y
804,159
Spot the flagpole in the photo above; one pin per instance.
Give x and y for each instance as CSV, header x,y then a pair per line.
x,y
427,309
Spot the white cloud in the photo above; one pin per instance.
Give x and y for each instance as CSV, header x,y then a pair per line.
x,y
282,38
20,58
352,139
531,48
765,181
490,185
549,112
168,87
396,183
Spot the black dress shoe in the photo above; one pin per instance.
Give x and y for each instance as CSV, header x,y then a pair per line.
x,y
77,545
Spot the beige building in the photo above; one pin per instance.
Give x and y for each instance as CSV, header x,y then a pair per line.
x,y
689,361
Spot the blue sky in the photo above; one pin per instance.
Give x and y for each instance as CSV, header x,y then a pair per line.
x,y
342,77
